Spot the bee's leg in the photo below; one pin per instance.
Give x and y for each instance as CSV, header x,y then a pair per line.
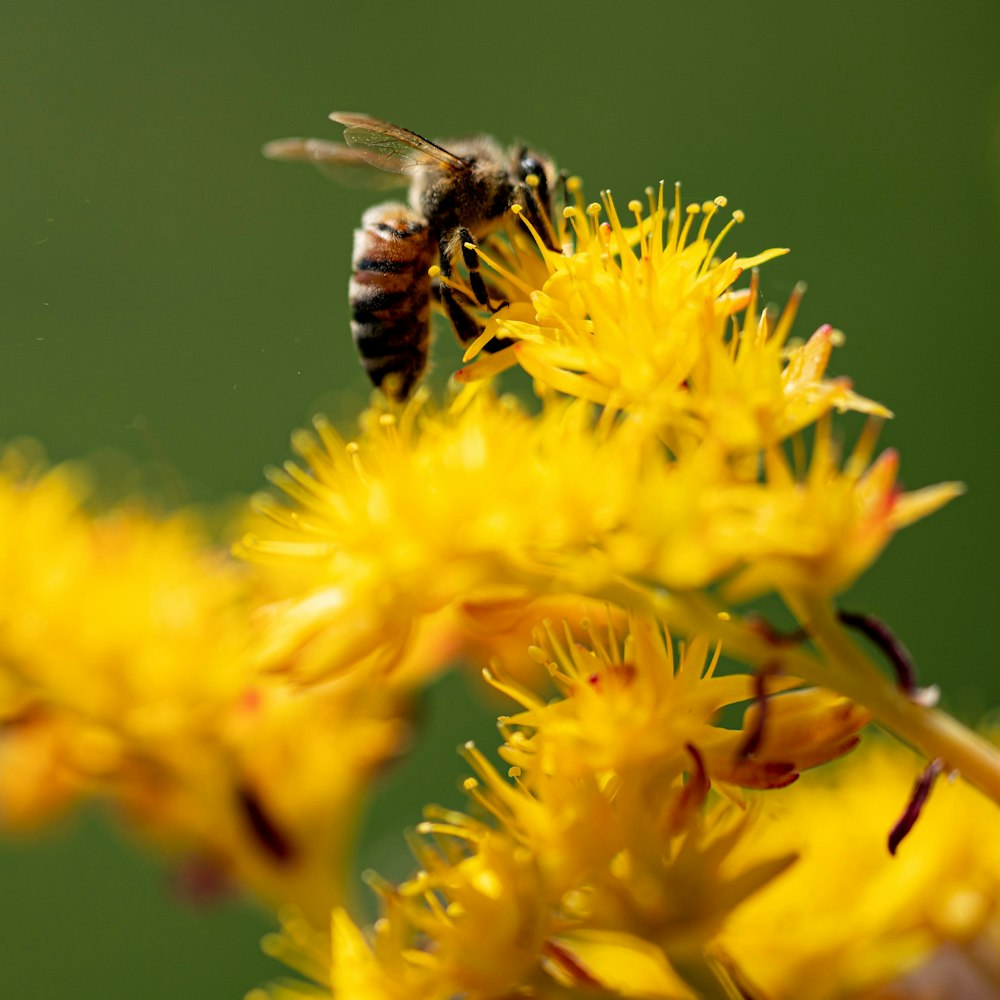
x,y
466,326
460,240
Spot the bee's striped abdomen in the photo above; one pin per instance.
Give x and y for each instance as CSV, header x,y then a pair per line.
x,y
390,296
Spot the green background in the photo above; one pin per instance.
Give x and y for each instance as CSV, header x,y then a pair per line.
x,y
167,292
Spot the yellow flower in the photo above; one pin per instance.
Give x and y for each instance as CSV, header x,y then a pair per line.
x,y
605,867
607,863
622,895
646,320
848,920
692,485
425,509
638,702
127,647
238,711
687,487
305,948
40,767
123,628
819,530
487,503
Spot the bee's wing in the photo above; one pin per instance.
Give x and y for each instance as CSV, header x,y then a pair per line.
x,y
392,148
334,160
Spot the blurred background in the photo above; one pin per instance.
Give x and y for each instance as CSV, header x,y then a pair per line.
x,y
170,294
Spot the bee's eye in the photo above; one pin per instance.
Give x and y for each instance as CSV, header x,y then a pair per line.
x,y
529,165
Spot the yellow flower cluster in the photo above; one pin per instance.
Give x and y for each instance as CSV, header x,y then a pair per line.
x,y
601,868
594,553
426,508
690,484
127,646
610,865
665,474
662,334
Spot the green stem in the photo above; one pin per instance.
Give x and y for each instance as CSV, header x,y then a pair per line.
x,y
933,732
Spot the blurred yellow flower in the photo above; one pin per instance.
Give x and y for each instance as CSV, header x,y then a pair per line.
x,y
126,670
848,920
99,613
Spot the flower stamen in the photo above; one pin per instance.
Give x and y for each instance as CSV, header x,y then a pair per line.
x,y
886,641
755,735
921,792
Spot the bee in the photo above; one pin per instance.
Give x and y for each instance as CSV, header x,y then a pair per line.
x,y
458,197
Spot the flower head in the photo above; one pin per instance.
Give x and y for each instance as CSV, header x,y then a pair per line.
x,y
644,319
427,510
669,466
635,701
606,861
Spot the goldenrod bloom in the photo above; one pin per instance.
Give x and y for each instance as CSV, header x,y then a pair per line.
x,y
617,872
99,613
428,508
818,530
426,512
124,628
385,537
667,474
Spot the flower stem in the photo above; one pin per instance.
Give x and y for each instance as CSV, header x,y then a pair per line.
x,y
933,732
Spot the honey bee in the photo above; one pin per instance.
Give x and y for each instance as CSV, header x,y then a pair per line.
x,y
457,197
